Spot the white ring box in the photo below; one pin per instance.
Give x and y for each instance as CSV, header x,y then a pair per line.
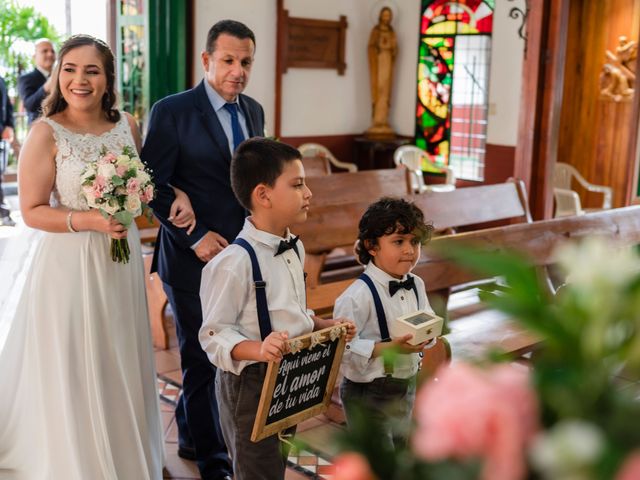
x,y
423,325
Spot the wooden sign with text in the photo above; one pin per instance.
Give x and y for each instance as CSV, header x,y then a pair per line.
x,y
309,43
300,385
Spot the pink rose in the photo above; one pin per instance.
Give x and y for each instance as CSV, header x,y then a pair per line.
x,y
121,170
108,158
631,468
99,186
473,413
352,466
147,194
133,185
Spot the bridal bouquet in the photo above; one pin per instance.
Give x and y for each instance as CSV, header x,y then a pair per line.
x,y
118,186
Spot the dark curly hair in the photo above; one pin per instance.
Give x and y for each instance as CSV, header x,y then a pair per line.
x,y
386,216
55,102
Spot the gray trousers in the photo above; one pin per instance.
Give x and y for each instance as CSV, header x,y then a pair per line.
x,y
238,398
388,402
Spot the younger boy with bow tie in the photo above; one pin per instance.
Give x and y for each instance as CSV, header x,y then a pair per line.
x,y
253,297
391,232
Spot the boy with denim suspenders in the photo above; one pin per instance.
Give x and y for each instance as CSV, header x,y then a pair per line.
x,y
390,234
253,297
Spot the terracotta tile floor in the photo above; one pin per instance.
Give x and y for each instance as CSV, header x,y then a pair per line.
x,y
303,465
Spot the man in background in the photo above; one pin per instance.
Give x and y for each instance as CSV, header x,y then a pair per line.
x,y
6,133
35,85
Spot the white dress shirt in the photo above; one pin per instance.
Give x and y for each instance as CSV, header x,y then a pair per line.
x,y
356,303
229,310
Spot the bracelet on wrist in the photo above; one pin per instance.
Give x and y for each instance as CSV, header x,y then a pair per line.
x,y
69,224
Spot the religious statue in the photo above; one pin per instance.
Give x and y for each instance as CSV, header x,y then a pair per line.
x,y
617,78
382,51
626,51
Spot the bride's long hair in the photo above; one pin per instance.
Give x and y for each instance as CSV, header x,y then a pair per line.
x,y
55,102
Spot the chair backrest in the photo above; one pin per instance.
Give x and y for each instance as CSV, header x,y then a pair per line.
x,y
363,186
316,166
465,207
562,175
318,150
411,157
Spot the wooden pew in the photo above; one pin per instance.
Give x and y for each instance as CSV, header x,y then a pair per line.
x,y
331,193
367,185
537,240
335,224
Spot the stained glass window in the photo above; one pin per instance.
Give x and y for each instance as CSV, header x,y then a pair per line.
x,y
453,79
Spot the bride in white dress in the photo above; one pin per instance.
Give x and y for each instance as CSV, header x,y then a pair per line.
x,y
79,398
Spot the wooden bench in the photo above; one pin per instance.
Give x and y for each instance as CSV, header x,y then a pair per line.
x,y
334,225
331,193
472,337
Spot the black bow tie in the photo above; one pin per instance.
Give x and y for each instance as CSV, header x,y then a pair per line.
x,y
286,245
395,285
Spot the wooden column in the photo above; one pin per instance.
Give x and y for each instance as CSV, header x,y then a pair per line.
x,y
540,106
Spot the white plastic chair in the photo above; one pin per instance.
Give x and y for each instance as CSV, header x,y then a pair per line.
x,y
567,200
410,157
317,150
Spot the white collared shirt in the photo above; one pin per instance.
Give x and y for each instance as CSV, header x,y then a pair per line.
x,y
44,73
356,303
227,294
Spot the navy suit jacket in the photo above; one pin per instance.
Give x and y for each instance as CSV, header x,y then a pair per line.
x,y
30,89
6,109
187,148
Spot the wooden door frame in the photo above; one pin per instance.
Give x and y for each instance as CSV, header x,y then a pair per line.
x,y
541,101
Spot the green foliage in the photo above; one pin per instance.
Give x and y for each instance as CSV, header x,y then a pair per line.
x,y
19,27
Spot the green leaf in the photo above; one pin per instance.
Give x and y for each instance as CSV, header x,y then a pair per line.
x,y
117,181
124,217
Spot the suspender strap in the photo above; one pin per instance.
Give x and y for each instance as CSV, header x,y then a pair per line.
x,y
382,318
415,291
260,285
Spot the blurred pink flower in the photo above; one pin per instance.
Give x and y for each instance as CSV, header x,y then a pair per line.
x,y
472,413
147,194
631,468
108,158
121,170
99,186
133,185
352,466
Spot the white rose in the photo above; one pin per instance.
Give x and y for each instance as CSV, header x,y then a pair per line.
x,y
107,170
110,207
143,177
133,205
123,160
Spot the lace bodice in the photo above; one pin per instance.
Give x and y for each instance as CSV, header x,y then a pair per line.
x,y
75,151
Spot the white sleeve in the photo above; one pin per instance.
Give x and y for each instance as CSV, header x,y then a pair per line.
x,y
359,351
223,296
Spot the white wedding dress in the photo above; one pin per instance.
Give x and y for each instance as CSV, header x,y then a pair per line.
x,y
78,395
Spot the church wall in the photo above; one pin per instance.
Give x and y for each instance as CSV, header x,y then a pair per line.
x,y
321,103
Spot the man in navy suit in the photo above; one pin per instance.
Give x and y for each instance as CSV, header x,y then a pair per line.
x,y
189,144
35,85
